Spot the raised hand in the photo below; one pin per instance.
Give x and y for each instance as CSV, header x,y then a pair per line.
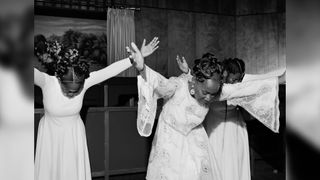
x,y
137,56
183,65
147,50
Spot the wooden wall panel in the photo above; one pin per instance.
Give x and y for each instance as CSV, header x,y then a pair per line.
x,y
258,42
282,39
215,34
185,33
150,23
181,39
244,7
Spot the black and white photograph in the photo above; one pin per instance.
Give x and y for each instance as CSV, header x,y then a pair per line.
x,y
175,90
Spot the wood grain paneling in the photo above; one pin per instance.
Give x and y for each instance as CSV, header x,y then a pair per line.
x,y
245,7
150,23
258,42
181,39
185,33
215,34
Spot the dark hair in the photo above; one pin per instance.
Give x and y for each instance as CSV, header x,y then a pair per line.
x,y
59,65
81,69
234,65
206,67
40,45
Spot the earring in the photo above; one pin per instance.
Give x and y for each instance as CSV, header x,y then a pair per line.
x,y
192,91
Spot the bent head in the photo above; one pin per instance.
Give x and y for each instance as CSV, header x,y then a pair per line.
x,y
233,70
71,81
207,72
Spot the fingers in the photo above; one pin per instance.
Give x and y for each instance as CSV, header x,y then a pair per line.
x,y
143,43
134,47
129,50
155,48
179,59
183,59
154,41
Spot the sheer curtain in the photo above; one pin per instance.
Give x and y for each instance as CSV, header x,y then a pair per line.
x,y
120,33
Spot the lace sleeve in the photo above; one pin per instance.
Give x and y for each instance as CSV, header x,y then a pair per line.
x,y
149,91
259,98
254,77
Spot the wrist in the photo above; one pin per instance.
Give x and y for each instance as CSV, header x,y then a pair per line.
x,y
142,69
132,60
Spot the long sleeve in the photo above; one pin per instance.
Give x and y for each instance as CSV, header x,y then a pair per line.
x,y
259,98
150,89
253,77
107,72
39,77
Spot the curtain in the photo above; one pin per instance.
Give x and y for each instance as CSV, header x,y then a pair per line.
x,y
120,33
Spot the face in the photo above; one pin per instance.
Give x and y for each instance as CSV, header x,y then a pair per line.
x,y
70,88
231,78
206,91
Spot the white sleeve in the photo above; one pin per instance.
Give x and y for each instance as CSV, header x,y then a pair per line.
x,y
259,98
110,71
150,89
39,77
254,77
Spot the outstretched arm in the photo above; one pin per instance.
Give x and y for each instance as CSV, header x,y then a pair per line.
x,y
112,70
278,73
119,66
39,77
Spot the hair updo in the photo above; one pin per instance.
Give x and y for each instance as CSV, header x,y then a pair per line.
x,y
207,67
58,60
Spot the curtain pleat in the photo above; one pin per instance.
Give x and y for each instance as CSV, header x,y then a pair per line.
x,y
120,33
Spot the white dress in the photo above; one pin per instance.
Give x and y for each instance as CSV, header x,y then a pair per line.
x,y
180,148
61,152
228,132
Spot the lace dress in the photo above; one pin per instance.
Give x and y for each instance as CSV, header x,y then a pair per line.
x,y
61,152
180,148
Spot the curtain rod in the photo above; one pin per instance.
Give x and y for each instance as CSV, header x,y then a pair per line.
x,y
122,6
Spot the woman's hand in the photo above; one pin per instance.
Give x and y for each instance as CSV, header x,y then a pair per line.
x,y
183,65
147,50
136,55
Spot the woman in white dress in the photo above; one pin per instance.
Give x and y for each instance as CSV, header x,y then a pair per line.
x,y
61,152
180,148
225,125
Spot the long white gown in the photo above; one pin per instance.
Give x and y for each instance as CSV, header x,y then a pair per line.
x,y
180,148
228,132
61,152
